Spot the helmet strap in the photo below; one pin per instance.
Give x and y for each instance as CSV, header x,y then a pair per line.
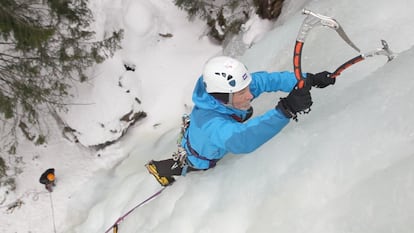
x,y
230,102
224,98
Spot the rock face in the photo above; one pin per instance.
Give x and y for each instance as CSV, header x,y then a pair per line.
x,y
128,120
269,9
110,105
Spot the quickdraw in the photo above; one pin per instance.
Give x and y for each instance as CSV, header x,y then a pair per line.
x,y
180,156
185,123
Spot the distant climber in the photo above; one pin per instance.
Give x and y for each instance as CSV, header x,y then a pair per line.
x,y
48,179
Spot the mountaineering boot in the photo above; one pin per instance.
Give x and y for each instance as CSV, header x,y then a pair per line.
x,y
163,180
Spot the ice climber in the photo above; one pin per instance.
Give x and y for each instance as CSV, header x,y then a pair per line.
x,y
221,122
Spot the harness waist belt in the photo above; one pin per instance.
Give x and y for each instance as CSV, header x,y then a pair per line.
x,y
211,162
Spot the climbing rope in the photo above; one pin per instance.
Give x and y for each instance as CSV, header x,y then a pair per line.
x,y
53,212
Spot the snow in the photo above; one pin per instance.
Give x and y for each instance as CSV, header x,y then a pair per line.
x,y
345,167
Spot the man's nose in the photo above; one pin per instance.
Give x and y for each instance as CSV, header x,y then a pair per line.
x,y
249,95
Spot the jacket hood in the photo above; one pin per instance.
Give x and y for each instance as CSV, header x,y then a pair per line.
x,y
204,100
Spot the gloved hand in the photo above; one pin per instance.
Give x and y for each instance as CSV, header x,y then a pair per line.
x,y
298,100
321,79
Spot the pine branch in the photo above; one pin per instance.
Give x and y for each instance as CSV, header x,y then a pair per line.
x,y
46,48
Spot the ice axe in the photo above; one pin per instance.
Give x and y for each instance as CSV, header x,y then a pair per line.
x,y
314,19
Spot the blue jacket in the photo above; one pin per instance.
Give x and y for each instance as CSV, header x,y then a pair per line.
x,y
213,132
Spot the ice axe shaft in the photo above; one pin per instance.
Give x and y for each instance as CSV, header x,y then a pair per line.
x,y
385,51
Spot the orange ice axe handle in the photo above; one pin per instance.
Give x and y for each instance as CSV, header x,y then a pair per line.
x,y
297,64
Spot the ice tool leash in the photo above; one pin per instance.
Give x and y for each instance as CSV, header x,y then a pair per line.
x,y
114,226
314,19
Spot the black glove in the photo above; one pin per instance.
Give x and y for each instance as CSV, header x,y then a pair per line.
x,y
321,79
298,100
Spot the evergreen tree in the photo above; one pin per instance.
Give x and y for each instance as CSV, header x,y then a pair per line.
x,y
225,17
45,46
268,9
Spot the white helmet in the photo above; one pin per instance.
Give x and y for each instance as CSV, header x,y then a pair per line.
x,y
225,75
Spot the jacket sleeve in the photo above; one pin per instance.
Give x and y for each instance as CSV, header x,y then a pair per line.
x,y
271,82
245,137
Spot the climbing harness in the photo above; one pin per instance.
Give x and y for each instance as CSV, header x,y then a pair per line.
x,y
180,156
211,162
